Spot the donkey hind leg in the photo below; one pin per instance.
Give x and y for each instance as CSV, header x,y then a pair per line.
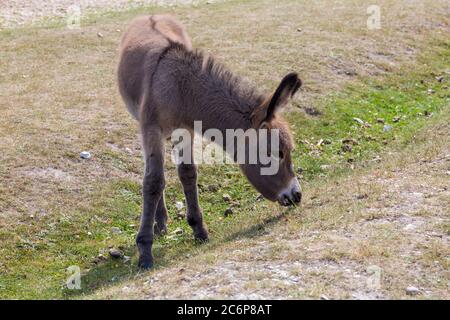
x,y
188,177
161,217
153,187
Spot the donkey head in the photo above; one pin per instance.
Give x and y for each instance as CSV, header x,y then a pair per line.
x,y
282,185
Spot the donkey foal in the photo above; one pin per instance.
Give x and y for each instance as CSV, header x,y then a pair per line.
x,y
165,86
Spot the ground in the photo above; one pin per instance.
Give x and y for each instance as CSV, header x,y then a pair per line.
x,y
58,97
340,245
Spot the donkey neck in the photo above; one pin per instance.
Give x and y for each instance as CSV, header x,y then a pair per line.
x,y
212,94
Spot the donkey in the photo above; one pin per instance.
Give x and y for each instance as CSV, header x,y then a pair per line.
x,y
166,85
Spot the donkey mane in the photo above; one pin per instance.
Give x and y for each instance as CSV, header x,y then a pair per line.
x,y
240,94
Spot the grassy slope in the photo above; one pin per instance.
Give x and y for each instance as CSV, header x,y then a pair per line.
x,y
366,235
54,106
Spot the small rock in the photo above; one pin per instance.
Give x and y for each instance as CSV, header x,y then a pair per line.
x,y
387,128
226,197
358,120
396,119
347,148
180,215
115,253
179,205
177,231
430,91
89,233
412,291
324,297
362,196
99,259
85,155
409,227
440,78
299,170
228,212
100,35
320,142
299,29
213,188
260,197
350,141
116,230
126,259
380,120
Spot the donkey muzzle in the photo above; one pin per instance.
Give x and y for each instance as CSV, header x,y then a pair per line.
x,y
291,195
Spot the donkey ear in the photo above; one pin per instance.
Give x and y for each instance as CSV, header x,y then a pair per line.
x,y
286,90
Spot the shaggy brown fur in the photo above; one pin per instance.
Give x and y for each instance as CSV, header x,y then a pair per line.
x,y
167,86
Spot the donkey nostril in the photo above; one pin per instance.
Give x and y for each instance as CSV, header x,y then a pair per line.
x,y
297,196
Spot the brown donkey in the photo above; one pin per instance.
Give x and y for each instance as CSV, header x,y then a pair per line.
x,y
165,85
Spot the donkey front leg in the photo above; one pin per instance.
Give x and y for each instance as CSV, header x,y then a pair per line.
x,y
188,177
153,188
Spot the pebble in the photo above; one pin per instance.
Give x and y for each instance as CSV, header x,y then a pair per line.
x,y
380,120
99,259
396,119
350,141
100,35
412,291
177,231
213,188
116,230
358,120
180,215
387,128
347,148
115,253
409,227
226,197
228,212
179,205
85,155
260,197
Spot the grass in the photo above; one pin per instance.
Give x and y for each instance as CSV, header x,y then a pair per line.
x,y
58,98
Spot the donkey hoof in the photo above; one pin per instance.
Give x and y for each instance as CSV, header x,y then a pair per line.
x,y
160,230
145,263
201,235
